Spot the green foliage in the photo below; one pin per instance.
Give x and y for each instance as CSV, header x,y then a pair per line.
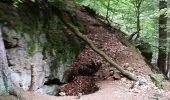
x,y
31,47
122,14
77,23
33,0
59,4
16,2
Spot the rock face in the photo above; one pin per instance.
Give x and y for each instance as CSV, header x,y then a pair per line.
x,y
3,65
28,42
19,60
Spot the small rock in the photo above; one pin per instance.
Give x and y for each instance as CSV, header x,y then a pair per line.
x,y
117,76
62,94
79,95
50,90
123,79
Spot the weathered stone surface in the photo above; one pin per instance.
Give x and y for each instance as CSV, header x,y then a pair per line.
x,y
19,62
3,66
50,90
27,42
10,38
3,90
61,72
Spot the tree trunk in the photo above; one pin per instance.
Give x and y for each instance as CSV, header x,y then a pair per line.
x,y
138,21
162,56
168,49
168,67
137,5
107,13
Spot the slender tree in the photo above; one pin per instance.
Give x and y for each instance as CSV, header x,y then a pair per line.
x,y
162,55
137,5
168,35
107,13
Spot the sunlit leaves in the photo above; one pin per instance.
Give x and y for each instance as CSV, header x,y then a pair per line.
x,y
163,11
33,0
122,14
168,12
16,2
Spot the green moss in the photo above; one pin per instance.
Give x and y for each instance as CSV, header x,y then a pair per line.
x,y
66,47
31,22
31,47
76,21
60,4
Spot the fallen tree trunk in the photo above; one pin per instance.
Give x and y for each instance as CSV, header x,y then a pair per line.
x,y
76,31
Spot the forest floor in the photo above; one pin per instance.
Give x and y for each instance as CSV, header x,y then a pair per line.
x,y
88,73
112,86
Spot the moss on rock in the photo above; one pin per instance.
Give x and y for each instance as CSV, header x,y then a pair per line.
x,y
31,22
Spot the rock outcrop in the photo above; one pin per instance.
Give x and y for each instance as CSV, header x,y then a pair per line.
x,y
28,41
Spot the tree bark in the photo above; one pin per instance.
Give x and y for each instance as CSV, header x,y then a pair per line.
x,y
138,21
107,13
168,35
31,88
137,4
75,30
162,55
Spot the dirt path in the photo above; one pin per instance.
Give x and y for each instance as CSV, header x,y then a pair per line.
x,y
109,90
119,91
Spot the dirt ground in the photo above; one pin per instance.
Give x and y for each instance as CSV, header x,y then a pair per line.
x,y
109,90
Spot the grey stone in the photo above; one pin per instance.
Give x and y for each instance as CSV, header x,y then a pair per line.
x,y
20,61
25,47
3,66
61,72
50,90
3,90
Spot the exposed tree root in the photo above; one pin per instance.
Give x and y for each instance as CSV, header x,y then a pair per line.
x,y
31,88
